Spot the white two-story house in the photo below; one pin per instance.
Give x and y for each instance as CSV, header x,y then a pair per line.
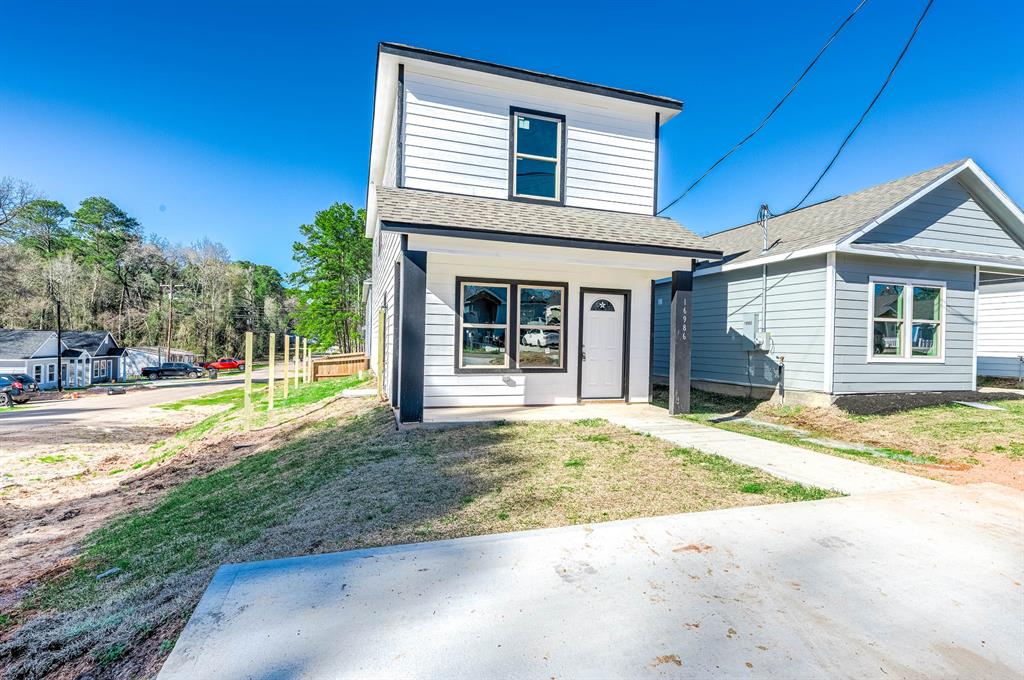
x,y
515,237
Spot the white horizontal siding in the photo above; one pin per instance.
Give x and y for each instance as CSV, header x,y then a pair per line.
x,y
457,141
443,387
1000,332
385,253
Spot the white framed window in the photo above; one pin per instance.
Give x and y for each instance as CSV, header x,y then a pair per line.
x,y
51,372
485,325
537,155
906,320
37,373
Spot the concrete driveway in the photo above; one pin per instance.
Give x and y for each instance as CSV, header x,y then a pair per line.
x,y
922,583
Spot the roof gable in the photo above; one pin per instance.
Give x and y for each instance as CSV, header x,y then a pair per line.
x,y
21,343
841,221
90,341
945,217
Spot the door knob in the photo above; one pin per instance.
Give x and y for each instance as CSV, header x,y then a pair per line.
x,y
584,355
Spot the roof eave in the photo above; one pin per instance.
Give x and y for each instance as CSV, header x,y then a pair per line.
x,y
410,52
545,240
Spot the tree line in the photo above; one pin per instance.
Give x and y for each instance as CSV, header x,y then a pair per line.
x,y
104,272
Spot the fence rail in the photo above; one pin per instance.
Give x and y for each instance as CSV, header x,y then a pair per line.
x,y
338,365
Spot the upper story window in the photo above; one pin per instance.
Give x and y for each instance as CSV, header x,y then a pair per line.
x,y
537,155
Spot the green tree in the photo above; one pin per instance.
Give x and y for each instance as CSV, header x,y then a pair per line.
x,y
42,226
334,259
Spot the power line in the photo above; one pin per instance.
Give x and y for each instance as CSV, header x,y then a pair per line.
x,y
771,113
864,115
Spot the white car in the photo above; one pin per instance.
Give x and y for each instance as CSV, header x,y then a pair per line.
x,y
538,337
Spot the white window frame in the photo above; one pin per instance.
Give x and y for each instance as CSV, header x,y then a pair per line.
x,y
462,325
907,356
558,158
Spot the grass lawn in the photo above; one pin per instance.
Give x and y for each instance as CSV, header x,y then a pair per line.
x,y
347,480
945,437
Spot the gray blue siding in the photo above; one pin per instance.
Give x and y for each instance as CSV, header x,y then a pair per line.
x,y
947,218
854,373
723,328
662,323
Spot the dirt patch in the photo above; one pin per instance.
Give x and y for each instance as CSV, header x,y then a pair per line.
x,y
884,404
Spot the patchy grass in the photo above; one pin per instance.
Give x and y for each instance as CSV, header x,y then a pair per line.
x,y
350,480
946,437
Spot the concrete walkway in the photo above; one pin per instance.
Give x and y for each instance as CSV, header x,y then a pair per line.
x,y
924,583
782,460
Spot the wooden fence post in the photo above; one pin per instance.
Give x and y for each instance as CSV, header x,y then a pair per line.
x,y
285,363
296,359
248,380
270,372
305,360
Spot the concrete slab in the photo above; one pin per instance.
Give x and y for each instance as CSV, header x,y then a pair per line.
x,y
923,583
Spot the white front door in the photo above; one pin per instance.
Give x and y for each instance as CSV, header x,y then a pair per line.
x,y
601,361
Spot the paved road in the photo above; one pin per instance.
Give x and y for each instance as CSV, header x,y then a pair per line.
x,y
922,583
103,409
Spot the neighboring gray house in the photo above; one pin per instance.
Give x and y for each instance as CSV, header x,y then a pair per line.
x,y
875,291
1001,325
137,358
86,357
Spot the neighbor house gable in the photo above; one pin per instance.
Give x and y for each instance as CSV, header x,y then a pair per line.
x,y
947,217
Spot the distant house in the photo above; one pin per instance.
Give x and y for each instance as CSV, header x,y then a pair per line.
x,y
84,357
915,285
137,358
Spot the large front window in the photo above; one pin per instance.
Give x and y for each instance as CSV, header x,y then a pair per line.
x,y
537,156
510,326
906,320
485,325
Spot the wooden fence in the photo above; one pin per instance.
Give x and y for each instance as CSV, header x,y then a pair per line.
x,y
338,365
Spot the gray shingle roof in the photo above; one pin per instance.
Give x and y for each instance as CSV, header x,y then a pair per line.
x,y
490,215
87,340
19,343
822,223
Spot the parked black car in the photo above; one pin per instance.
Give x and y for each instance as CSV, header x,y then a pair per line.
x,y
172,370
28,383
11,391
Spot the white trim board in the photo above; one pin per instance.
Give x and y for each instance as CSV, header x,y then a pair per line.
x,y
829,346
907,321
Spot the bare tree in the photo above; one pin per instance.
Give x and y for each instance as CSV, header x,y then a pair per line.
x,y
14,195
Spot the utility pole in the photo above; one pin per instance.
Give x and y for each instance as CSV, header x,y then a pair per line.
x,y
60,329
169,287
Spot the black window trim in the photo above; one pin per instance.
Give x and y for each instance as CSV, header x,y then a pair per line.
x,y
512,111
512,348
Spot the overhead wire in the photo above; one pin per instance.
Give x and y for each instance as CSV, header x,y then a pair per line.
x,y
764,121
874,100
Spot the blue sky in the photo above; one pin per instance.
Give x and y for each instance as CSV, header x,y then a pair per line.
x,y
237,121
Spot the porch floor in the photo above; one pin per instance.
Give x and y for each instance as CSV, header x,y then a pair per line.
x,y
782,460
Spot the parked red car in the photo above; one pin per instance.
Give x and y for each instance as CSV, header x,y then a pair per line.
x,y
224,364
